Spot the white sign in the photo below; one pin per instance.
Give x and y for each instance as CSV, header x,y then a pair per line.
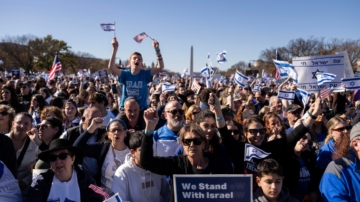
x,y
307,67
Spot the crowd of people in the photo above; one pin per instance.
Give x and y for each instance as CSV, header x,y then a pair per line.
x,y
78,139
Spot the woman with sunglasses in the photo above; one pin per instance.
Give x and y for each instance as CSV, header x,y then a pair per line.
x,y
7,115
71,114
65,181
236,130
37,104
193,140
191,113
110,153
338,132
48,130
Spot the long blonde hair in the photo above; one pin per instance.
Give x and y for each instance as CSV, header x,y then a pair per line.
x,y
331,124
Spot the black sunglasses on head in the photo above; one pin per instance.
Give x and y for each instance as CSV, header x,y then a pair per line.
x,y
348,128
196,141
257,131
175,111
62,156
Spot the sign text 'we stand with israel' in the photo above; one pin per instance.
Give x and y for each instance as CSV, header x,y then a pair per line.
x,y
202,188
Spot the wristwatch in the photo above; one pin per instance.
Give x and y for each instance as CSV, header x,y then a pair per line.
x,y
312,116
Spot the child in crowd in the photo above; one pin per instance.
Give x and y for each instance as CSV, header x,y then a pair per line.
x,y
270,180
135,183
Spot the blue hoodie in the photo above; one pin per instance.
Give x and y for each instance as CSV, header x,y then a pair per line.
x,y
325,155
341,180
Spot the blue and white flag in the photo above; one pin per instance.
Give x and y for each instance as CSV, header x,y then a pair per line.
x,y
205,72
264,75
240,79
221,57
286,95
108,27
286,70
221,79
257,87
168,87
114,198
324,77
253,152
305,96
209,65
185,72
351,83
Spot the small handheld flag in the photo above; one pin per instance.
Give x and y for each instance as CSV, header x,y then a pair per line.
x,y
114,198
254,152
286,70
168,87
138,38
221,57
351,83
108,26
240,79
286,95
324,77
56,67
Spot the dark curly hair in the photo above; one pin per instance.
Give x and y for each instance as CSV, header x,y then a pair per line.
x,y
205,94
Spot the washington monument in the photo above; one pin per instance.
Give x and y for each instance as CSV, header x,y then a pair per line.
x,y
191,61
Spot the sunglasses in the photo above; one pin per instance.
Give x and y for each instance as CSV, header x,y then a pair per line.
x,y
194,113
175,111
42,126
257,131
62,156
4,113
196,141
296,112
310,142
348,128
23,87
235,132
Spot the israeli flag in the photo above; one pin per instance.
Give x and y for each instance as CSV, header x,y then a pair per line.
x,y
114,198
108,26
264,74
351,83
240,79
286,95
222,79
168,87
185,72
324,77
305,96
221,57
286,70
209,64
205,72
253,152
257,87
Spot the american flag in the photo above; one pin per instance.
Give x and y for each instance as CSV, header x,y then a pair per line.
x,y
99,190
276,71
138,38
56,67
324,93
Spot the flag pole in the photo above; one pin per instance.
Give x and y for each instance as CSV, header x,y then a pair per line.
x,y
115,30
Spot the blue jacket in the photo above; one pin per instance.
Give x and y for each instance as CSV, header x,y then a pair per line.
x,y
341,180
166,142
325,155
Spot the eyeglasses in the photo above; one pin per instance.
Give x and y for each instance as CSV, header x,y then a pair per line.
x,y
175,111
116,130
4,113
257,131
348,128
194,113
235,132
196,141
42,126
310,142
62,156
23,87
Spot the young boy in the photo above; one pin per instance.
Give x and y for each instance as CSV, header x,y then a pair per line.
x,y
136,184
270,179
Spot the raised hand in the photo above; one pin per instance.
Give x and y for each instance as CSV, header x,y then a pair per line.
x,y
34,136
151,118
115,43
95,124
155,44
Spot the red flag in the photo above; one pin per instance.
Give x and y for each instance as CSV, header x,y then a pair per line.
x,y
99,190
56,67
276,74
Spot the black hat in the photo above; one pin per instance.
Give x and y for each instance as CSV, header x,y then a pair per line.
x,y
293,108
60,144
